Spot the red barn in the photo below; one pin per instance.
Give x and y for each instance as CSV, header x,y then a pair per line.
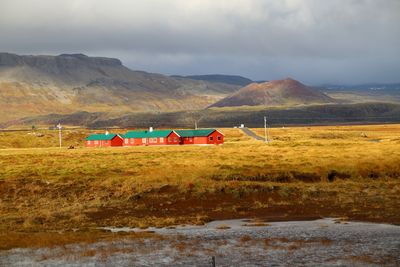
x,y
104,140
201,137
151,138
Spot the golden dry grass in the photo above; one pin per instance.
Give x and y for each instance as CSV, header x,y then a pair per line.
x,y
41,138
350,171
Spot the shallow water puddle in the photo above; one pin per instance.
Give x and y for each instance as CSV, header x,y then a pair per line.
x,y
327,242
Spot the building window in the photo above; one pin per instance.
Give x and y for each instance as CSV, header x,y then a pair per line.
x,y
144,140
169,139
96,142
126,141
175,139
152,140
211,138
88,142
106,142
161,139
219,138
132,140
190,139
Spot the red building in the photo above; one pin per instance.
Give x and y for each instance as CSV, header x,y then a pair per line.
x,y
157,137
104,140
151,138
201,137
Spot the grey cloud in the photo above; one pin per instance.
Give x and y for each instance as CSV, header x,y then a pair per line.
x,y
315,41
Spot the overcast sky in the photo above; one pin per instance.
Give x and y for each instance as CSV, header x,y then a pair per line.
x,y
314,41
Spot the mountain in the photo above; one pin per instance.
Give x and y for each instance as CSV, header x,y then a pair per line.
x,y
274,93
219,78
35,85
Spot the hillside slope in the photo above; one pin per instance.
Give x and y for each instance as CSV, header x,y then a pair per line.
x,y
34,85
228,117
274,93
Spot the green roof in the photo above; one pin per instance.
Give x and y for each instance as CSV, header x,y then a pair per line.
x,y
199,132
98,137
147,134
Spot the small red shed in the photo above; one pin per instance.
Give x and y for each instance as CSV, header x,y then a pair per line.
x,y
104,140
201,137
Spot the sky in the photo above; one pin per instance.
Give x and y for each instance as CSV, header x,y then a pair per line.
x,y
314,41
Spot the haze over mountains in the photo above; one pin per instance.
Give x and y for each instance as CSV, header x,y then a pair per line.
x,y
99,88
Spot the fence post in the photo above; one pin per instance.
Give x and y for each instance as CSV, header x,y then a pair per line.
x,y
213,261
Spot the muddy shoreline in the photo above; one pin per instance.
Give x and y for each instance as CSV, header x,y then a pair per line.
x,y
327,242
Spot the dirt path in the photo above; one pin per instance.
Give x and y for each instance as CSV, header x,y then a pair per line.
x,y
252,134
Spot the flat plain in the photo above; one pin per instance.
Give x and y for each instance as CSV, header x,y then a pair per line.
x,y
351,172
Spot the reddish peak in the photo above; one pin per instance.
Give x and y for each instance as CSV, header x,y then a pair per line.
x,y
290,79
277,92
253,86
286,81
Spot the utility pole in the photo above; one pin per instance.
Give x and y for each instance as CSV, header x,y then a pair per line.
x,y
59,133
265,130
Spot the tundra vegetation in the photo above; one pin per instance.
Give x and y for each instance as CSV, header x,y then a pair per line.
x,y
351,172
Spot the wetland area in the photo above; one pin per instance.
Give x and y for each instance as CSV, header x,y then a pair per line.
x,y
323,242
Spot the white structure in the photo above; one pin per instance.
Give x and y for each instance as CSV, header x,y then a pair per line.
x,y
59,133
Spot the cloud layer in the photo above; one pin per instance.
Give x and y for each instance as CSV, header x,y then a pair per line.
x,y
339,41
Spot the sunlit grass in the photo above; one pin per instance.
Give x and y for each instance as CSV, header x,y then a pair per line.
x,y
355,168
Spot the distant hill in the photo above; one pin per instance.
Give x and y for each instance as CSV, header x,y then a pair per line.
x,y
219,78
362,93
369,87
274,93
34,85
228,117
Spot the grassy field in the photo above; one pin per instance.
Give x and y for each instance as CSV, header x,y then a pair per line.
x,y
305,172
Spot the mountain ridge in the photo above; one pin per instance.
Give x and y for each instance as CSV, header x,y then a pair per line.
x,y
9,59
67,83
36,85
